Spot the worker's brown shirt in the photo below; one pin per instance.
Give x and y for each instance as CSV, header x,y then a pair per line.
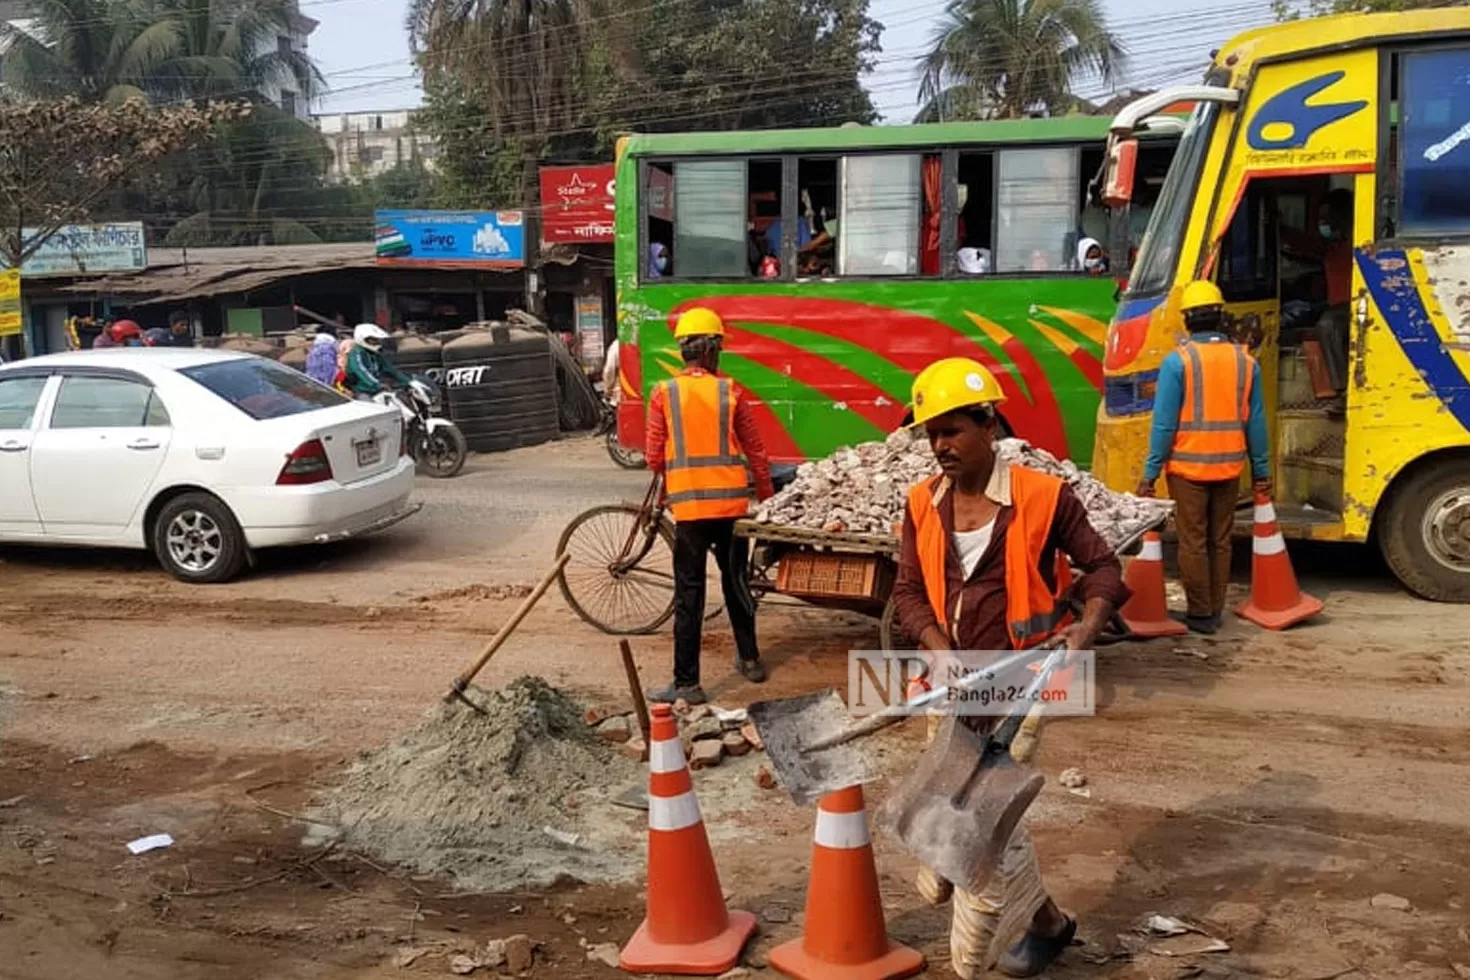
x,y
982,623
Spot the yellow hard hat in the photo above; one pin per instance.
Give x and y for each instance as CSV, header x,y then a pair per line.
x,y
1199,294
955,382
701,321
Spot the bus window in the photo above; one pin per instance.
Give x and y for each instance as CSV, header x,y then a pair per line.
x,y
1036,203
816,209
764,214
1435,169
658,205
976,176
710,209
879,231
1248,249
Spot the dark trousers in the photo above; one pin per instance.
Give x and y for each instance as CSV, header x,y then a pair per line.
x,y
693,540
1204,516
1332,334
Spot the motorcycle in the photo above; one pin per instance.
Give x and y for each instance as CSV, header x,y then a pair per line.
x,y
607,427
434,442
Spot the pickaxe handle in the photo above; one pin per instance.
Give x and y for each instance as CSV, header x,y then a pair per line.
x,y
503,634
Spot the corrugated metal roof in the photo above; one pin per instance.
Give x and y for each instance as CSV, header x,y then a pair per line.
x,y
180,274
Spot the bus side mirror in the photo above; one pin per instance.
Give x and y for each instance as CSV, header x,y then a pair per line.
x,y
1122,162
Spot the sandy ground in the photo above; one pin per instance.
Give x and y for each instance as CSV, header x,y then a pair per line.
x,y
1265,786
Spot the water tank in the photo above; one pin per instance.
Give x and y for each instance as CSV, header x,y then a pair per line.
x,y
420,355
502,388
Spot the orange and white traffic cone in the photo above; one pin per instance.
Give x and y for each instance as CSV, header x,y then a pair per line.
x,y
1275,601
687,929
1147,612
844,936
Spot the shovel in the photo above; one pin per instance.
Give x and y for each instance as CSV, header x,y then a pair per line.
x,y
957,809
806,738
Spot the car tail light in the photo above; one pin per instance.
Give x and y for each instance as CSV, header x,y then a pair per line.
x,y
308,463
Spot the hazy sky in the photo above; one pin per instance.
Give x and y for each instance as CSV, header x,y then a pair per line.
x,y
363,49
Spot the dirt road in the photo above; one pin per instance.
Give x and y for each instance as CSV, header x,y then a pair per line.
x,y
1265,786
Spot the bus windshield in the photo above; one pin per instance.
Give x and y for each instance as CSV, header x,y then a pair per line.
x,y
1159,250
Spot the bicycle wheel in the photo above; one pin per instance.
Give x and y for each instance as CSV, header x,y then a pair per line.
x,y
620,578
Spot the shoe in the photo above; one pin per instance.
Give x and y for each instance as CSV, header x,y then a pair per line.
x,y
1218,620
1033,954
1202,624
672,693
752,670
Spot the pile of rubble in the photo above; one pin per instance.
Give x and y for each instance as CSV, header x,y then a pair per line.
x,y
709,733
864,489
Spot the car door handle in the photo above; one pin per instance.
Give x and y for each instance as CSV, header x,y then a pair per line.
x,y
13,446
143,444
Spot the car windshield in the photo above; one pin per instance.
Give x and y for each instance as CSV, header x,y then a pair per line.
x,y
1159,251
263,389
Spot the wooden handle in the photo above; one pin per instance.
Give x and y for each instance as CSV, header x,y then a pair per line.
x,y
1023,746
503,634
635,687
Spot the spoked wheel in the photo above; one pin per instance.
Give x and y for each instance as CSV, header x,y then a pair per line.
x,y
890,634
620,576
628,459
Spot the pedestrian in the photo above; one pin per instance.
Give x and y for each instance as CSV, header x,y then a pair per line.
x,y
702,439
321,360
1209,417
979,570
612,388
180,332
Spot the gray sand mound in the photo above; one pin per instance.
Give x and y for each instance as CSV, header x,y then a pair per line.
x,y
471,795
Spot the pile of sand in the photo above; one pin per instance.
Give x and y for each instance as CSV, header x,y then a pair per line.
x,y
474,796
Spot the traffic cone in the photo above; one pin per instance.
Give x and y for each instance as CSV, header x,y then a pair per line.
x,y
1147,612
1275,601
687,929
844,936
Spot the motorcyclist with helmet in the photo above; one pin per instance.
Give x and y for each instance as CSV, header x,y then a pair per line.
x,y
368,365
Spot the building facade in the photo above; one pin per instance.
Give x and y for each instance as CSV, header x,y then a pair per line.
x,y
366,144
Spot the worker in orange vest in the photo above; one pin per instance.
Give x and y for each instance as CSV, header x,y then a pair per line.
x,y
979,570
702,438
1209,417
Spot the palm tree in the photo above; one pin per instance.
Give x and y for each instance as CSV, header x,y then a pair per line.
x,y
96,50
228,49
1004,59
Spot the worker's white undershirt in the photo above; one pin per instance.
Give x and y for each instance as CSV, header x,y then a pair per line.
x,y
972,544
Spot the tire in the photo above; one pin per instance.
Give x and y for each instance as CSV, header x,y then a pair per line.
x,y
196,539
1424,531
628,459
601,526
451,454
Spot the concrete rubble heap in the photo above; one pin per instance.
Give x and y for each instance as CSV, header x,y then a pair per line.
x,y
864,489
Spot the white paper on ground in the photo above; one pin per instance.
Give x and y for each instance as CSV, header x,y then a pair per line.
x,y
152,843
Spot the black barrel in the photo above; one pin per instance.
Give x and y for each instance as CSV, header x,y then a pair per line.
x,y
420,355
502,388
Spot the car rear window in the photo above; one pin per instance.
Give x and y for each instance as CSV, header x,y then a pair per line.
x,y
263,389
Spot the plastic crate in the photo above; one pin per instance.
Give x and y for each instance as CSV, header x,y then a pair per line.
x,y
834,575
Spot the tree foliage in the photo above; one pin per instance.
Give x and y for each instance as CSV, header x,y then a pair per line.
x,y
59,157
1296,9
511,83
1005,59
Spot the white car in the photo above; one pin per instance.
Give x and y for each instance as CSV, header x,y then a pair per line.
x,y
199,456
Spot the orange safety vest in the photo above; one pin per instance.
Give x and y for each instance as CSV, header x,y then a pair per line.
x,y
1034,612
1210,442
704,470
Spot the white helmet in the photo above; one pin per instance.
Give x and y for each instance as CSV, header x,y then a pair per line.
x,y
370,335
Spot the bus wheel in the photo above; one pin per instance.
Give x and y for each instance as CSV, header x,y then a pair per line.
x,y
1425,535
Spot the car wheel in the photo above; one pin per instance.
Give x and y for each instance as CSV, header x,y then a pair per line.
x,y
197,539
1425,532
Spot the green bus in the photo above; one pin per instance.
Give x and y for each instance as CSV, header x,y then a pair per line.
x,y
845,260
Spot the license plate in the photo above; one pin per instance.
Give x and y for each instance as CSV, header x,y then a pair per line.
x,y
369,453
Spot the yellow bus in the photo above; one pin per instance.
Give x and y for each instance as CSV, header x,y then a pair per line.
x,y
1323,182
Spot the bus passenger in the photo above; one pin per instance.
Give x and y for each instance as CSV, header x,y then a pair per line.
x,y
1331,243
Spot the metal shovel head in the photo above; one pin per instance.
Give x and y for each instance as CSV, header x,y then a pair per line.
x,y
789,725
957,809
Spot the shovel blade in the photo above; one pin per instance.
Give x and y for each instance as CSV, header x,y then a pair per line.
x,y
788,726
956,811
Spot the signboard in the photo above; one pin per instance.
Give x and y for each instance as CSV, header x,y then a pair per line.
x,y
10,318
451,239
577,204
75,250
589,330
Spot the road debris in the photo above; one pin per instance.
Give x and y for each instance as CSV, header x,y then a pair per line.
x,y
518,954
615,729
406,957
467,794
1073,778
463,965
706,753
1163,925
1385,900
604,953
150,843
1175,937
864,489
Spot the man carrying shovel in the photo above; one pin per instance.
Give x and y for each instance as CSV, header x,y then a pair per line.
x,y
979,571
